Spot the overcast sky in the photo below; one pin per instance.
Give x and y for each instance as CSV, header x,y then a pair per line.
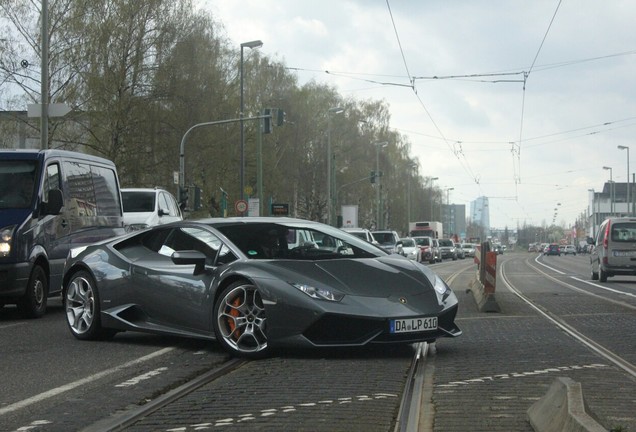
x,y
474,126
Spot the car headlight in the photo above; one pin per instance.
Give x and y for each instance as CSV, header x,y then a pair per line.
x,y
6,235
318,293
136,227
441,288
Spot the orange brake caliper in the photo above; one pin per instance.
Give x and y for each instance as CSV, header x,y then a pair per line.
x,y
235,313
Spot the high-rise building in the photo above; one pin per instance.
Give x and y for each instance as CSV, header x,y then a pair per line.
x,y
480,213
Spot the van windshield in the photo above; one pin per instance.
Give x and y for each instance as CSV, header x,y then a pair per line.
x,y
17,180
138,201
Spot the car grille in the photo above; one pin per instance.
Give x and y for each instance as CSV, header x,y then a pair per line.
x,y
345,330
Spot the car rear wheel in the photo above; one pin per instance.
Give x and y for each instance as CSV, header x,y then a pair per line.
x,y
240,321
81,304
594,275
33,303
602,275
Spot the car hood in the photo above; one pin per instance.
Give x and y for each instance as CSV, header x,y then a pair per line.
x,y
10,217
368,277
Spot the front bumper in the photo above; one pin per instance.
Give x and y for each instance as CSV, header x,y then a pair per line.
x,y
14,278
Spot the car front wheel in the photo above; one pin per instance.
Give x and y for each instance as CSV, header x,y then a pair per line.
x,y
81,304
240,321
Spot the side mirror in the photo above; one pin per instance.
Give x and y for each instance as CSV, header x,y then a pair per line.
x,y
55,203
188,257
163,212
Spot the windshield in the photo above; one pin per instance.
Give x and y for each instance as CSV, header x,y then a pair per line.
x,y
384,238
297,241
17,180
138,201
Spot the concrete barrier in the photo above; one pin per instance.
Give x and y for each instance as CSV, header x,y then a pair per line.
x,y
486,301
562,409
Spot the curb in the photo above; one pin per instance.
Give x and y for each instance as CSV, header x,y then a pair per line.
x,y
562,409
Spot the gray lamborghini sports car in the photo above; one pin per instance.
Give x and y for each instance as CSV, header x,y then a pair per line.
x,y
254,284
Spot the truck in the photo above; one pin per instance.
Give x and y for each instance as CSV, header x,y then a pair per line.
x,y
426,228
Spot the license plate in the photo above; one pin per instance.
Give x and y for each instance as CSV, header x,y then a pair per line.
x,y
409,325
625,253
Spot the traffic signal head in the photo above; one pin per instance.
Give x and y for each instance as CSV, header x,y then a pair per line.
x,y
267,121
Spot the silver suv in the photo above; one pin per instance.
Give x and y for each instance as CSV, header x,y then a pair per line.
x,y
614,251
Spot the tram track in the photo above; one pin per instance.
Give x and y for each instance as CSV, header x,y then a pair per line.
x,y
567,328
130,417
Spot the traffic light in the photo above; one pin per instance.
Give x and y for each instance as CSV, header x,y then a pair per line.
x,y
267,121
194,197
372,176
280,117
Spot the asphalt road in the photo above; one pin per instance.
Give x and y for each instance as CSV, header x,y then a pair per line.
x,y
484,380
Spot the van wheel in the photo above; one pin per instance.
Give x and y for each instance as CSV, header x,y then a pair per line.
x,y
33,302
602,275
594,275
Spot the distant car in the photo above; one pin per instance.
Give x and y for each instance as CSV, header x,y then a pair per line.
x,y
461,254
409,248
388,240
497,248
552,249
469,249
427,249
237,281
146,207
569,250
437,250
447,249
362,233
614,249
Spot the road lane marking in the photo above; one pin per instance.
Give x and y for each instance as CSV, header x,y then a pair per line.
x,y
70,386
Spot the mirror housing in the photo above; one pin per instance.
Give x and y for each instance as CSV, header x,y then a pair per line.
x,y
189,257
55,203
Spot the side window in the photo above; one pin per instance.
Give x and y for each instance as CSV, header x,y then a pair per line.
x,y
51,180
106,191
200,240
172,206
80,189
163,202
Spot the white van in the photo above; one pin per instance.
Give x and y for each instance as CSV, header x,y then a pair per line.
x,y
146,207
614,251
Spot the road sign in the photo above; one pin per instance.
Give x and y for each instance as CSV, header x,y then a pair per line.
x,y
55,110
240,206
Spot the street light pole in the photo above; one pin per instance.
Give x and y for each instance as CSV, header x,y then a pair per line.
x,y
378,185
611,190
251,44
622,147
335,110
408,192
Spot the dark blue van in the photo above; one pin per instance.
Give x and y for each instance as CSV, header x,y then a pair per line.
x,y
50,202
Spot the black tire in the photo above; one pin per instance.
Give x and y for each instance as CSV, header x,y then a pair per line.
x,y
594,275
602,275
33,303
82,308
240,321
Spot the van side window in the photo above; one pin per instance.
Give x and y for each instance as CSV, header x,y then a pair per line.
x,y
106,189
92,189
52,180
